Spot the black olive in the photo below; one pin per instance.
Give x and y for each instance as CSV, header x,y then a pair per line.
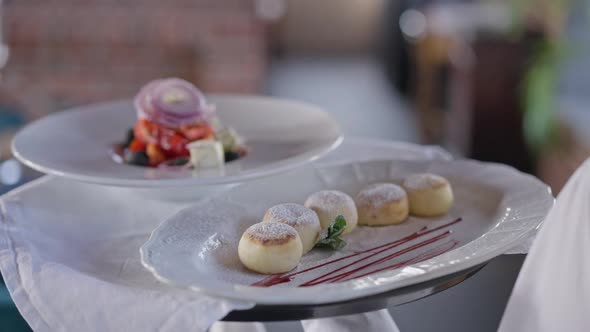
x,y
137,158
128,139
231,156
178,161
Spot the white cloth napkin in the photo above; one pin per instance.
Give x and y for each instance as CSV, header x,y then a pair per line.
x,y
552,292
376,321
69,254
70,274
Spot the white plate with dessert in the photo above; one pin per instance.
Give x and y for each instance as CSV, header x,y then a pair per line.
x,y
172,135
329,233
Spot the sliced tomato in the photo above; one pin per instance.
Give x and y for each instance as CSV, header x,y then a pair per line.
x,y
146,132
197,132
136,146
155,154
175,145
172,143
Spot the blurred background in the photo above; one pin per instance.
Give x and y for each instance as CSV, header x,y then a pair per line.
x,y
503,81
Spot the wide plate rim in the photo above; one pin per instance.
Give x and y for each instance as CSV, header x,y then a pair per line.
x,y
308,295
274,168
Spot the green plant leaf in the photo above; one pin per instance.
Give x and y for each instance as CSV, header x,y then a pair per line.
x,y
334,244
539,97
330,238
337,227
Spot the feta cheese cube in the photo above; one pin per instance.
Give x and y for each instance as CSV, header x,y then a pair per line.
x,y
229,138
206,154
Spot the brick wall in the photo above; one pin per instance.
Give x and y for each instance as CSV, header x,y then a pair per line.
x,y
66,52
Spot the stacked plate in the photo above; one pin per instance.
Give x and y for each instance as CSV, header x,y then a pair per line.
x,y
196,249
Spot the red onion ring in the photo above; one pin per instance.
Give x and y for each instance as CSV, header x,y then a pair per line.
x,y
172,102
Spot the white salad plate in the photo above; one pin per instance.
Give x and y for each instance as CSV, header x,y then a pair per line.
x,y
499,206
76,144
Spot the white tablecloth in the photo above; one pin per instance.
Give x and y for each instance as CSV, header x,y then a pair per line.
x,y
71,273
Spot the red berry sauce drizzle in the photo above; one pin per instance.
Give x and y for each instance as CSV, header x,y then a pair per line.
x,y
361,271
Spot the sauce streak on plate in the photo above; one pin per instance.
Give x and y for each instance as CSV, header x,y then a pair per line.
x,y
334,276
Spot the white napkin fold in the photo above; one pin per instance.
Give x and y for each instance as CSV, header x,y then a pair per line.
x,y
67,274
376,321
552,292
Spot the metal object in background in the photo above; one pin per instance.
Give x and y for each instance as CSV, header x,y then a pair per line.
x,y
268,313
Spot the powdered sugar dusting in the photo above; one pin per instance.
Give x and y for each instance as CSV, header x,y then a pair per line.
x,y
424,181
292,214
267,232
379,194
328,198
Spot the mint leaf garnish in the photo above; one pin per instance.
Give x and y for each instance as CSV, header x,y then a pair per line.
x,y
330,237
334,244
